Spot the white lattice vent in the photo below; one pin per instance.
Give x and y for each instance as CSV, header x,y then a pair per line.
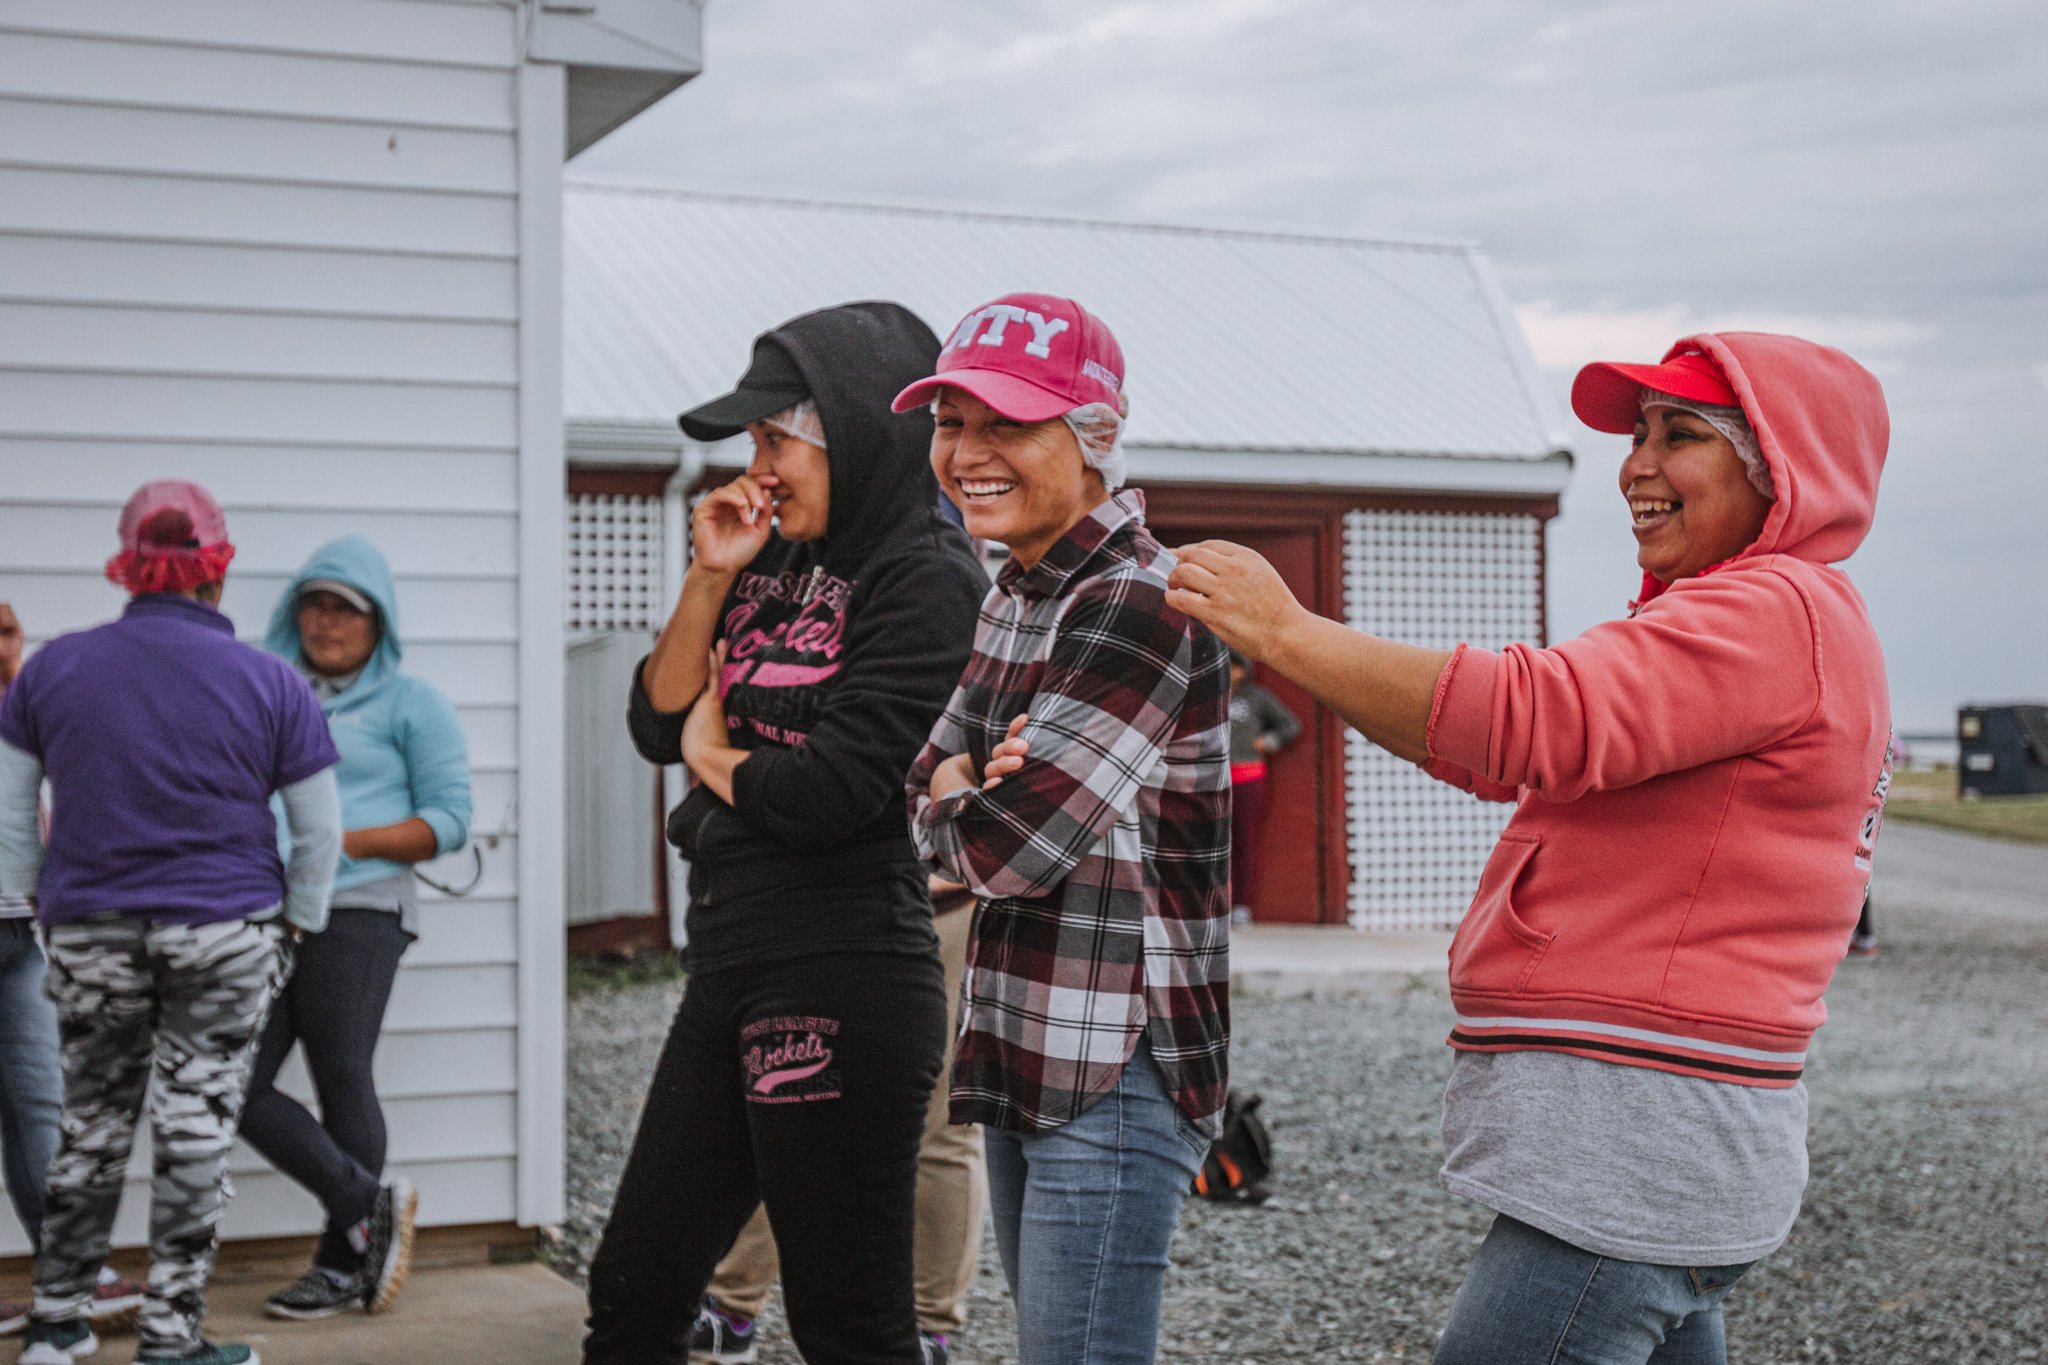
x,y
615,564
1436,579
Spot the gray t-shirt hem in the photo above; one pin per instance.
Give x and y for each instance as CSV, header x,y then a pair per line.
x,y
1586,1239
397,895
1626,1161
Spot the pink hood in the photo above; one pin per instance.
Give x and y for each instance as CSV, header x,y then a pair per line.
x,y
1821,421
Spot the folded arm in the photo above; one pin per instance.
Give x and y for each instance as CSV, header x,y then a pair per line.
x,y
909,638
437,769
1108,699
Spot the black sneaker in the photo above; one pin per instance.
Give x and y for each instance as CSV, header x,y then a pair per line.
x,y
207,1354
938,1347
319,1293
57,1343
719,1339
388,1253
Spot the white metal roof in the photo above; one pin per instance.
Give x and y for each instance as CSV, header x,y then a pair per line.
x,y
1236,341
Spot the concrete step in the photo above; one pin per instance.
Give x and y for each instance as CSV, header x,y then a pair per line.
x,y
469,1313
1289,959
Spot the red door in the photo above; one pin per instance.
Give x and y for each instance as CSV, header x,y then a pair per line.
x,y
1302,846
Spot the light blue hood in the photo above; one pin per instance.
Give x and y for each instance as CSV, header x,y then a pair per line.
x,y
356,562
403,754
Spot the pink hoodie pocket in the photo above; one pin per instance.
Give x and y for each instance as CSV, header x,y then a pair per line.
x,y
1494,950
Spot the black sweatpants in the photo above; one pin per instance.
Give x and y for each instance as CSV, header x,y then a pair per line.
x,y
334,1007
800,1085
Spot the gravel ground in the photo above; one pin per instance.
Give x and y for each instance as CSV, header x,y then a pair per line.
x,y
1925,1231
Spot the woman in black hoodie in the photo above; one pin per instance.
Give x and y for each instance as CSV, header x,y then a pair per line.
x,y
800,1062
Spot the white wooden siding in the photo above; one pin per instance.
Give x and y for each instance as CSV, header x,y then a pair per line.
x,y
276,280
274,246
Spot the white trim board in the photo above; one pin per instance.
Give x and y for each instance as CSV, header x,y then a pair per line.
x,y
542,693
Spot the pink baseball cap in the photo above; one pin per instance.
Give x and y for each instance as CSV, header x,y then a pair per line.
x,y
1607,395
1031,357
171,516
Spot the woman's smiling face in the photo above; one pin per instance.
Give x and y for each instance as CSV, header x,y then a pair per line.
x,y
1689,495
1020,484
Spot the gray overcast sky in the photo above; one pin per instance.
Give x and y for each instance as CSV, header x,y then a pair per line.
x,y
1872,175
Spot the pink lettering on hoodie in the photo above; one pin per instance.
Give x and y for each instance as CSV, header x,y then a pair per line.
x,y
1700,785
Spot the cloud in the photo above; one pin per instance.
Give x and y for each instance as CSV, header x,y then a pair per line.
x,y
1637,172
1564,338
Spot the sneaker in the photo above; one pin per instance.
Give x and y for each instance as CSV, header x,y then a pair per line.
x,y
1863,945
115,1302
319,1293
388,1251
13,1316
207,1354
720,1339
938,1347
1241,917
57,1343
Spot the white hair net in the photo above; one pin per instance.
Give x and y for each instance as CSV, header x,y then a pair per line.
x,y
801,421
1099,428
1730,422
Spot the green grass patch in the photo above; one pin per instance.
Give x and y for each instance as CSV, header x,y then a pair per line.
x,y
1923,798
589,973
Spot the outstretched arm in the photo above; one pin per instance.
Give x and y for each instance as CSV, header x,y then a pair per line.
x,y
1381,688
1703,673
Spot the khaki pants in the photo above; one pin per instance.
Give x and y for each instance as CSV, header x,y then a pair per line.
x,y
952,1190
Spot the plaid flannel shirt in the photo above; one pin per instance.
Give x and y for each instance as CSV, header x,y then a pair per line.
x,y
1103,865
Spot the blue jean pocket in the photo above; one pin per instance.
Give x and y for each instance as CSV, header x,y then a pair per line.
x,y
1192,1135
1714,1279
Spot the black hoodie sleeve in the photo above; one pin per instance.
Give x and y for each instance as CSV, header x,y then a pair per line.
x,y
658,735
907,644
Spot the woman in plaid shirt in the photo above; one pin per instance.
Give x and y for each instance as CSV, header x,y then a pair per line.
x,y
1079,783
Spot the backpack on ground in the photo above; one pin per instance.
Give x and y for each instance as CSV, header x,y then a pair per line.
x,y
1240,1158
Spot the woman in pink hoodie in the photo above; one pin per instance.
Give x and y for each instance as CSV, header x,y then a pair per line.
x,y
1698,788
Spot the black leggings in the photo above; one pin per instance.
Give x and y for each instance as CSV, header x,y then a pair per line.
x,y
334,1005
801,1085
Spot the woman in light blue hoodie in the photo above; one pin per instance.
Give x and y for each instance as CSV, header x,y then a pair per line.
x,y
404,776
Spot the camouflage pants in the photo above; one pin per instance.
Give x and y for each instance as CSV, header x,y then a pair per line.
x,y
169,1013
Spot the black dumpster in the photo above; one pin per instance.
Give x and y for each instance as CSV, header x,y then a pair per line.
x,y
2004,749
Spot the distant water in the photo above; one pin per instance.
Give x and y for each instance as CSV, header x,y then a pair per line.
x,y
1924,752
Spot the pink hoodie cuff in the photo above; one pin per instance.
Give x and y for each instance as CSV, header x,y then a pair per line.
x,y
1461,714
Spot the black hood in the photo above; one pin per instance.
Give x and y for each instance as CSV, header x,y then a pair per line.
x,y
855,359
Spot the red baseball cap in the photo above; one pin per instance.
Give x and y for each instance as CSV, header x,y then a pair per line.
x,y
1031,357
171,516
1607,395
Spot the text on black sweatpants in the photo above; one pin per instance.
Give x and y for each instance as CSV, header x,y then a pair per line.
x,y
800,1085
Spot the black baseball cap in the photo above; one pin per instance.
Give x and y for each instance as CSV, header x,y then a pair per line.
x,y
772,382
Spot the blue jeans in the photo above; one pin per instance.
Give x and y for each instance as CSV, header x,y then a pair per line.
x,y
1084,1215
31,1073
1531,1299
